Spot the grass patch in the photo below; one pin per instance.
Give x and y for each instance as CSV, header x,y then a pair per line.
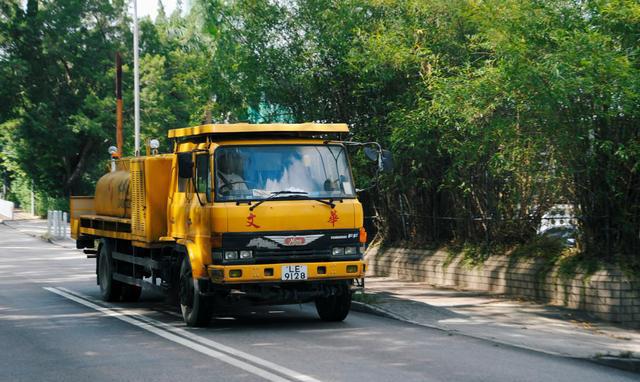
x,y
541,247
626,354
571,263
554,255
472,255
550,253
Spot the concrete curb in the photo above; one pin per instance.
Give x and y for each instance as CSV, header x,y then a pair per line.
x,y
627,364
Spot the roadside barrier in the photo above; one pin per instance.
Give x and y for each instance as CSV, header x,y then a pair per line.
x,y
57,224
6,209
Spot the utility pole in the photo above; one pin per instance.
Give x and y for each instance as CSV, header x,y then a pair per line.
x,y
119,104
136,79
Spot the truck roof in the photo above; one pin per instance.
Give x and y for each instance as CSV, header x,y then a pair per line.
x,y
255,128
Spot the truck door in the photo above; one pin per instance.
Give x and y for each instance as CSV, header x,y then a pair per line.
x,y
198,222
179,203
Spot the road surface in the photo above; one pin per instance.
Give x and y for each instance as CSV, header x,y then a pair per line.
x,y
53,327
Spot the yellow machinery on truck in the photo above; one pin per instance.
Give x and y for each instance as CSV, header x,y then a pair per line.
x,y
262,212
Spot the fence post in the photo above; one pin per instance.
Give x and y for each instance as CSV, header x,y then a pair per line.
x,y
59,224
49,217
55,223
57,235
64,225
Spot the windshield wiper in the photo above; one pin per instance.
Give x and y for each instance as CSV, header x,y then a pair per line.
x,y
327,202
303,194
274,194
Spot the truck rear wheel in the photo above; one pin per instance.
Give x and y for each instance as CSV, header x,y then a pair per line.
x,y
110,290
335,307
196,308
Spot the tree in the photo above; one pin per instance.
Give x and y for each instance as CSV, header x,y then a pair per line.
x,y
62,52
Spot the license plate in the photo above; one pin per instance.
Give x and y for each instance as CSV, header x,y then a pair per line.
x,y
294,272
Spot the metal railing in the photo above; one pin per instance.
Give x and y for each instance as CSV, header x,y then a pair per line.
x,y
57,224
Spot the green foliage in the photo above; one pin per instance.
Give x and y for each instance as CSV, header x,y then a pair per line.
x,y
60,53
495,110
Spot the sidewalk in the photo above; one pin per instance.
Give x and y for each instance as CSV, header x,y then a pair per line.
x,y
496,318
37,228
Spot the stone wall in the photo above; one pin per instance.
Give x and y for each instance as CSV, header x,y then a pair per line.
x,y
607,294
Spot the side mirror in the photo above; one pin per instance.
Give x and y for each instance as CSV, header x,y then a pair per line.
x,y
385,162
371,153
185,165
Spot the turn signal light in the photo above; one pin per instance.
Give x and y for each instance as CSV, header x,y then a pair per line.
x,y
352,268
235,273
363,235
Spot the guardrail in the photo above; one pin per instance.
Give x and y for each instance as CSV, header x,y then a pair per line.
x,y
6,209
57,224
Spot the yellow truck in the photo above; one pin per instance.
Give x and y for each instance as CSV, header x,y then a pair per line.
x,y
261,212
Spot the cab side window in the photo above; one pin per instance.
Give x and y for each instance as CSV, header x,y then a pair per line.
x,y
182,184
203,175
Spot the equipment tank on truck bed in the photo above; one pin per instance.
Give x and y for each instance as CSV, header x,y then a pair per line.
x,y
262,212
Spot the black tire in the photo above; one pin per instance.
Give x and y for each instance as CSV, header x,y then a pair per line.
x,y
110,290
196,309
335,307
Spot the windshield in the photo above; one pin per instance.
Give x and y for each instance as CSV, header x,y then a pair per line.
x,y
259,172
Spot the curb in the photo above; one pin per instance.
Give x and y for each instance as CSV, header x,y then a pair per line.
x,y
626,364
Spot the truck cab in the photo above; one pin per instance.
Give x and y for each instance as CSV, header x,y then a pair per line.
x,y
261,212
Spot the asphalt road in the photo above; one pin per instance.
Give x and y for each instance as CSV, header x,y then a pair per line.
x,y
53,327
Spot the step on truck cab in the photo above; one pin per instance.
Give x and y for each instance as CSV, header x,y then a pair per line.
x,y
261,212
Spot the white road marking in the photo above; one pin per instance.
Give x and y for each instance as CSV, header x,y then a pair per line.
x,y
39,248
172,337
216,345
32,259
186,336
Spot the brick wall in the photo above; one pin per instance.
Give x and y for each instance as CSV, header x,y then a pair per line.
x,y
607,294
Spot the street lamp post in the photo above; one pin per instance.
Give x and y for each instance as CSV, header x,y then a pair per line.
x,y
136,79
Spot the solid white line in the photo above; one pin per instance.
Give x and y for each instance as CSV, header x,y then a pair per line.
x,y
172,337
216,345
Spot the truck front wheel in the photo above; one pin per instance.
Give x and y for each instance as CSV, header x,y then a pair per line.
x,y
335,307
196,308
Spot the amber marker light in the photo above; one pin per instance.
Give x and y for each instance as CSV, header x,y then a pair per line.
x,y
363,235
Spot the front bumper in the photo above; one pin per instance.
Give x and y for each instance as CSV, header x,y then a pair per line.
x,y
256,273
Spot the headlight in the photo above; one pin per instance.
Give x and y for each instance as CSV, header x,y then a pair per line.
x,y
351,251
231,255
246,255
337,251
